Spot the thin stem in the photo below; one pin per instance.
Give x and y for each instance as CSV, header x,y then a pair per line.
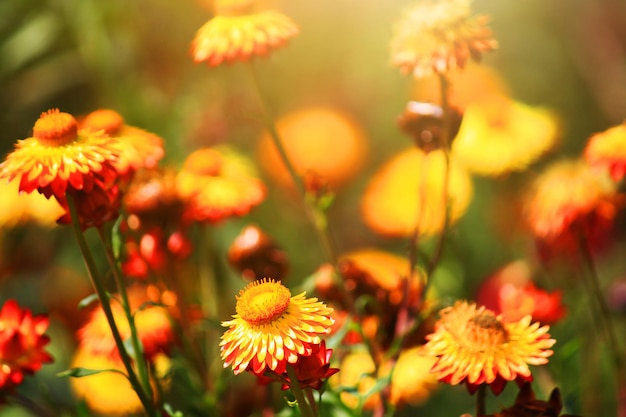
x,y
98,286
294,385
481,400
134,336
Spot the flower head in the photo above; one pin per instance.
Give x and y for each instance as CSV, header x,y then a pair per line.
x,y
411,380
22,343
439,35
237,35
608,149
407,193
255,255
60,157
20,208
475,346
272,329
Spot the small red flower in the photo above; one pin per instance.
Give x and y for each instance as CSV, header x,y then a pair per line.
x,y
22,342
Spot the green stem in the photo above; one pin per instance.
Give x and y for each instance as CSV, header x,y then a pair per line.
x,y
481,400
98,286
305,408
134,336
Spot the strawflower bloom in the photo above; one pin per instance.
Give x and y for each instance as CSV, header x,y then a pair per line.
x,y
60,157
237,33
136,147
21,208
22,343
475,346
608,149
499,135
255,255
411,381
435,36
218,183
272,329
358,379
407,193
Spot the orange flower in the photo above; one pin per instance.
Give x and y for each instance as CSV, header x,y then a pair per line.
x,y
411,380
407,193
152,322
22,342
475,346
20,208
358,378
136,148
59,157
439,35
272,329
219,183
322,143
237,33
608,149
499,135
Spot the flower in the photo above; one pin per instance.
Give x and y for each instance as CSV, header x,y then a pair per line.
x,y
570,195
321,142
499,135
20,208
407,193
59,157
237,34
437,36
255,255
218,183
608,149
358,378
22,343
272,329
136,148
424,122
411,380
475,346
152,322
527,404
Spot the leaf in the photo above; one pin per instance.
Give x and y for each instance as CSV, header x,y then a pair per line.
x,y
87,301
82,372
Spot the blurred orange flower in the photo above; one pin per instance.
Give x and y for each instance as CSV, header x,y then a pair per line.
x,y
439,35
272,329
411,381
357,376
500,135
20,208
407,193
608,149
22,343
237,33
321,140
475,346
219,183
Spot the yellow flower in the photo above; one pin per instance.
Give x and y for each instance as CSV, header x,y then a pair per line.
x,y
500,135
408,193
475,346
321,140
608,149
439,35
19,208
271,328
356,372
236,36
411,381
59,156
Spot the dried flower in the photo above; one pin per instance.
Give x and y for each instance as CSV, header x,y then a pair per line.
x,y
424,122
475,346
439,35
22,343
272,329
255,255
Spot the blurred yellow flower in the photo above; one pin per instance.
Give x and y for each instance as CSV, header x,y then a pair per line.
x,y
218,183
272,329
500,135
238,34
608,149
322,140
435,36
411,381
356,371
475,346
407,193
20,208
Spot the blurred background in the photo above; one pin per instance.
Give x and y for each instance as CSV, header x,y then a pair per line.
x,y
133,56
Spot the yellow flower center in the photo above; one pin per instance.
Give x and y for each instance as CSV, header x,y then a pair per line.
x,y
54,128
485,330
104,119
262,301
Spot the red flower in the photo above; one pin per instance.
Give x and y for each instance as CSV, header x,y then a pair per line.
x,y
22,342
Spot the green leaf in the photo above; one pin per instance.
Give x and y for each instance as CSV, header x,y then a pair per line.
x,y
87,301
81,372
116,238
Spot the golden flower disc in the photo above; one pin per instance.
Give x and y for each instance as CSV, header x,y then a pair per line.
x,y
262,302
104,119
54,128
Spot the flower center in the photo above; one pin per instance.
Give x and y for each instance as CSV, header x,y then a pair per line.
x,y
104,119
54,128
485,330
263,301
